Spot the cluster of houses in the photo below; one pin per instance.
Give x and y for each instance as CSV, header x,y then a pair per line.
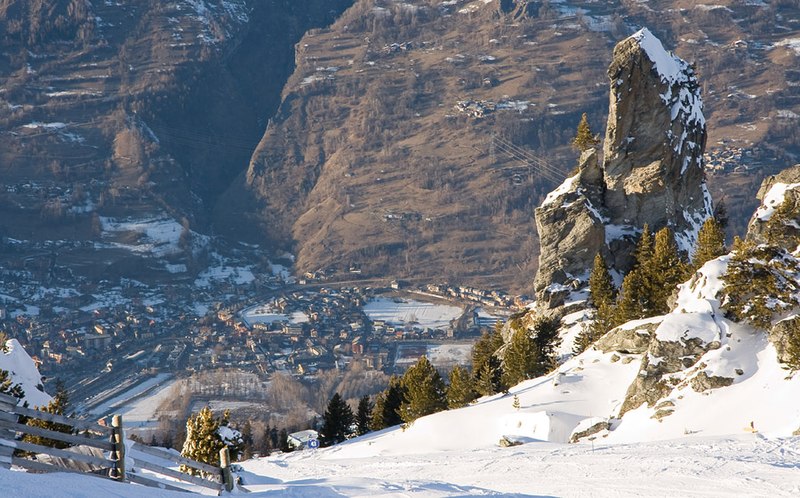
x,y
737,159
475,108
78,337
479,296
331,331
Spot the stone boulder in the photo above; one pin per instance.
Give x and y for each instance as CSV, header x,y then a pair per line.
x,y
663,358
631,338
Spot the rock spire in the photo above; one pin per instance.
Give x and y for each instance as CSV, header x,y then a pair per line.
x,y
651,172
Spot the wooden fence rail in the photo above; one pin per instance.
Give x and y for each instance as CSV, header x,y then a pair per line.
x,y
110,439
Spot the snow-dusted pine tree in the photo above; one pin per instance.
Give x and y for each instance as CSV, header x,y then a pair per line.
x,y
206,435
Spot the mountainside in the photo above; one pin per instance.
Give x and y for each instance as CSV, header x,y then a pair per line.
x,y
415,138
693,377
115,112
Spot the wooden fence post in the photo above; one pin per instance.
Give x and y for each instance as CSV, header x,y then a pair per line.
x,y
225,466
7,405
118,453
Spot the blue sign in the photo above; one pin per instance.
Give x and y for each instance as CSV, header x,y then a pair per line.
x,y
313,443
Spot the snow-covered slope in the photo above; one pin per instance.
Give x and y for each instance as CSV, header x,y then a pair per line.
x,y
594,385
24,372
747,425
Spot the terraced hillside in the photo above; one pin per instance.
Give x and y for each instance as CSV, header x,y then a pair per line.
x,y
131,111
415,138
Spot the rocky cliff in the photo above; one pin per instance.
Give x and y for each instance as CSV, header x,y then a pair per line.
x,y
651,172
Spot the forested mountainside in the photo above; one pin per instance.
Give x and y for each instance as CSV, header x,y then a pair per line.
x,y
413,139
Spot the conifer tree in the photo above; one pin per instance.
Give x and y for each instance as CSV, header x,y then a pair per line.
x,y
644,248
486,347
710,243
363,413
636,299
547,341
486,367
57,406
203,440
283,441
268,444
665,271
603,295
793,345
459,390
516,404
8,387
601,286
754,290
489,378
632,303
337,422
247,441
424,389
583,137
721,214
521,360
386,412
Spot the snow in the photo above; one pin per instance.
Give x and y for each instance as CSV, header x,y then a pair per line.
x,y
282,272
139,404
239,275
790,43
399,312
265,313
674,72
449,354
155,236
46,126
680,327
23,371
229,435
774,199
566,187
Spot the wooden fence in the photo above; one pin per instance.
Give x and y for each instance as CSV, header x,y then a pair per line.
x,y
108,439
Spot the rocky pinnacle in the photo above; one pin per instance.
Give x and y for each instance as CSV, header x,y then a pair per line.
x,y
651,173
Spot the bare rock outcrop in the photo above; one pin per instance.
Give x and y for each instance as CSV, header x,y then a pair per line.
x,y
652,173
664,357
630,338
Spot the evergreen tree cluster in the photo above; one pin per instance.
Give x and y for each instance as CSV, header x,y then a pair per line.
x,y
658,268
760,282
422,391
530,353
793,345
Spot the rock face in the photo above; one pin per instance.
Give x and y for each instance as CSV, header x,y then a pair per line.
x,y
775,220
652,172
